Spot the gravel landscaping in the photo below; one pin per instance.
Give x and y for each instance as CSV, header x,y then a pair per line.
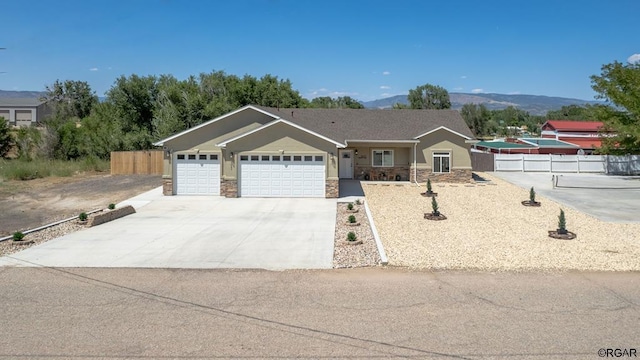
x,y
8,247
488,229
346,255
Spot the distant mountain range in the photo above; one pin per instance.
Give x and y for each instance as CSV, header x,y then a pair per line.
x,y
533,104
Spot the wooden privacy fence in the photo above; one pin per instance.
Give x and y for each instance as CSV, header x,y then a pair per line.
x,y
482,162
136,162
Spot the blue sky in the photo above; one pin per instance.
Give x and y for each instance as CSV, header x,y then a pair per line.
x,y
364,49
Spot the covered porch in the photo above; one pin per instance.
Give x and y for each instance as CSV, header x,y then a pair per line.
x,y
377,160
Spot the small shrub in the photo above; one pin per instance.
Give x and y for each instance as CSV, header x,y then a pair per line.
x,y
429,189
562,223
352,219
112,206
18,236
83,216
532,195
350,206
358,202
351,236
434,206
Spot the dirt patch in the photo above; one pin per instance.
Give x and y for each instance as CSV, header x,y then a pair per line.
x,y
28,204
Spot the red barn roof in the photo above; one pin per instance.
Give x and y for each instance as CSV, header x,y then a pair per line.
x,y
566,125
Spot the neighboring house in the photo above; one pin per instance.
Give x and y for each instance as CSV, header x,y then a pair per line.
x,y
267,152
584,134
23,111
527,146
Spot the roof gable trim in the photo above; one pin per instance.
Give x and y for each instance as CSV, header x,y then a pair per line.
x,y
443,128
277,121
161,142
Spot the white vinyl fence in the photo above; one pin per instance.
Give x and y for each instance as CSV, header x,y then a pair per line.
x,y
551,163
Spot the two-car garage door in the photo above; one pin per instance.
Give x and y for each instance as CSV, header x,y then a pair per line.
x,y
282,176
197,174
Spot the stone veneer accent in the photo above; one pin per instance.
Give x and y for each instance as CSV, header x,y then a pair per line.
x,y
110,215
455,176
361,170
167,187
229,188
331,188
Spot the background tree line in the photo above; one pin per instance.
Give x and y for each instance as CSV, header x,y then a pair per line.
x,y
139,110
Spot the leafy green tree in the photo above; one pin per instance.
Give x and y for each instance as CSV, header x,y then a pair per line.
x,y
429,97
341,102
6,139
572,112
70,99
619,85
476,117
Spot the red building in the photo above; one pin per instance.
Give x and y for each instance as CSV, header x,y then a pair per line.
x,y
585,134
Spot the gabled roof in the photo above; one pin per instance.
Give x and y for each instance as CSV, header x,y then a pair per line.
x,y
586,143
161,142
548,143
504,145
340,125
567,125
375,125
9,102
269,124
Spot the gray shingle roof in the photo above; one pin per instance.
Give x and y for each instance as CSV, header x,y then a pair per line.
x,y
365,124
8,102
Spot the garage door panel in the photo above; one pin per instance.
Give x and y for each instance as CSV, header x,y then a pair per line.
x,y
198,176
266,177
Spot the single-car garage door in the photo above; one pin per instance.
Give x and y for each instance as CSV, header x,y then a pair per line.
x,y
197,174
282,176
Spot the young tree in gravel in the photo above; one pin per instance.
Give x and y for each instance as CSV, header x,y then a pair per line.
x,y
429,97
6,140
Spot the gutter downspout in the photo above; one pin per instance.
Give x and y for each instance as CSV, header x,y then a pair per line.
x,y
415,164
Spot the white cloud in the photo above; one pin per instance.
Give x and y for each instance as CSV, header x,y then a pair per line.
x,y
463,77
386,73
634,59
385,87
93,69
477,91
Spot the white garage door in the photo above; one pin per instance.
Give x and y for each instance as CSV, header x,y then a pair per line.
x,y
282,176
197,174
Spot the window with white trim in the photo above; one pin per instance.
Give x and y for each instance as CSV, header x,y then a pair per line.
x,y
382,158
441,162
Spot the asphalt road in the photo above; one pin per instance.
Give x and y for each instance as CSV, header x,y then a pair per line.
x,y
48,313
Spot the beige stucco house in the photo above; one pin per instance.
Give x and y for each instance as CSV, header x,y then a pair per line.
x,y
257,151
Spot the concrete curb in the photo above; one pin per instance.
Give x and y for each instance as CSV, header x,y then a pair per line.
x,y
383,254
48,225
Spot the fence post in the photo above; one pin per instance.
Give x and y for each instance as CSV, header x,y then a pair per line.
x,y
522,157
578,162
550,163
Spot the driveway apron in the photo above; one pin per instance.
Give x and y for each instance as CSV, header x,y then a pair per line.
x,y
199,232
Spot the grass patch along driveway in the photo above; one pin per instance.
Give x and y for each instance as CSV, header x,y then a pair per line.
x,y
488,229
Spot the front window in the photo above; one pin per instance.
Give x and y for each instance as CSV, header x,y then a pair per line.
x,y
441,162
383,158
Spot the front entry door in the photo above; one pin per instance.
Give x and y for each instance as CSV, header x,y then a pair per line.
x,y
345,167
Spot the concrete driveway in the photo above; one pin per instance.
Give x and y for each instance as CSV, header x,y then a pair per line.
x,y
608,198
199,232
